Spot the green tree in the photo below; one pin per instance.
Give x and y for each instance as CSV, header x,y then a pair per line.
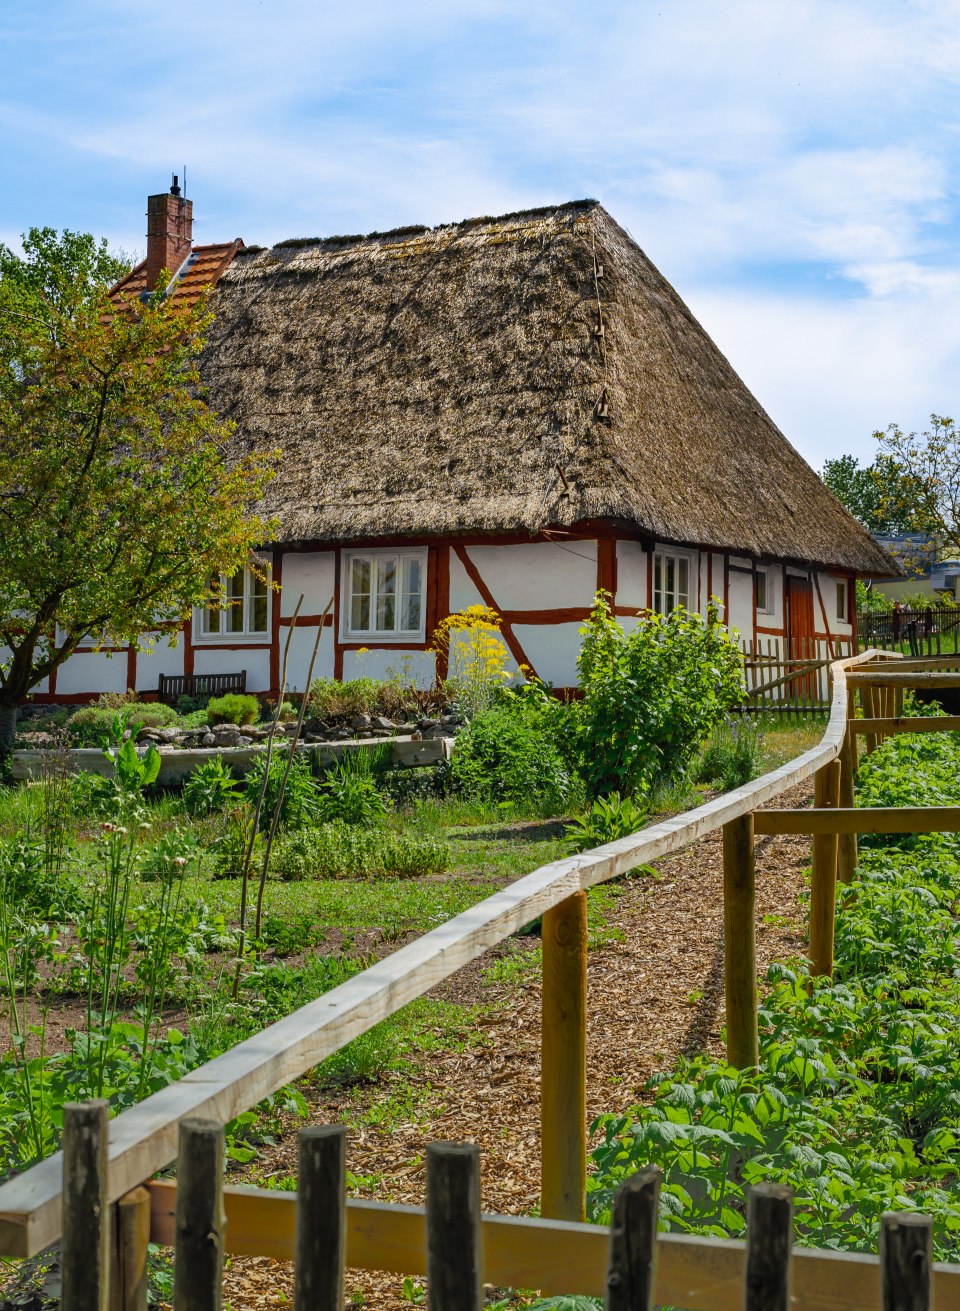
x,y
884,495
928,500
118,504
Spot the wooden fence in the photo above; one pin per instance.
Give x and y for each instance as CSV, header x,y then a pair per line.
x,y
797,683
558,1253
933,631
452,1243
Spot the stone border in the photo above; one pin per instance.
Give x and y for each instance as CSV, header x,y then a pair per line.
x,y
177,764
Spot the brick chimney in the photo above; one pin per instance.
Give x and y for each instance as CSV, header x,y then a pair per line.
x,y
169,232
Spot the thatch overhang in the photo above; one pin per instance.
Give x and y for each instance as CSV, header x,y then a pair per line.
x,y
505,375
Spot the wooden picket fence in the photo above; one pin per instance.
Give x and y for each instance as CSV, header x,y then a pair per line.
x,y
933,631
452,1243
95,1192
798,683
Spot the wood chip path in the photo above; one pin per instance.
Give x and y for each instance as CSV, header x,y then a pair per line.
x,y
654,994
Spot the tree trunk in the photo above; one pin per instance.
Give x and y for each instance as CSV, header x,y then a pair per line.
x,y
8,728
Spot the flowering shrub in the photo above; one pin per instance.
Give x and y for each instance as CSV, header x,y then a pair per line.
x,y
477,657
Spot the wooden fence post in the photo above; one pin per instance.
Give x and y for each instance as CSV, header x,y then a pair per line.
x,y
906,1256
739,942
321,1218
200,1220
769,1240
129,1275
823,879
632,1264
85,1211
454,1251
563,1061
847,855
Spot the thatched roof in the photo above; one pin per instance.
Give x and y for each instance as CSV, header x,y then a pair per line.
x,y
454,380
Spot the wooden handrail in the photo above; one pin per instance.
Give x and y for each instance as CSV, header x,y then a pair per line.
x,y
143,1139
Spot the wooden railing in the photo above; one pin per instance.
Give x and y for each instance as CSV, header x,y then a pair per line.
x,y
709,1272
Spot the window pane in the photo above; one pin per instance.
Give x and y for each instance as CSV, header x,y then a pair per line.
x,y
234,615
258,619
671,587
841,600
683,584
210,620
761,591
386,596
360,595
410,610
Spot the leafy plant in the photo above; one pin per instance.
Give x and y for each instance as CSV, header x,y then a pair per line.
x,y
609,819
338,850
210,788
652,695
514,752
298,800
91,725
233,708
733,755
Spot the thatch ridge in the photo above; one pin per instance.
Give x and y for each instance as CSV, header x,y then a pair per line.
x,y
461,379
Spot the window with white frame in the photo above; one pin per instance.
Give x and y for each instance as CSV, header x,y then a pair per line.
x,y
764,592
672,571
383,594
245,612
843,592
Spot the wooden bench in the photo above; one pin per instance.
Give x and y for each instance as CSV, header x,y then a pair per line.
x,y
173,686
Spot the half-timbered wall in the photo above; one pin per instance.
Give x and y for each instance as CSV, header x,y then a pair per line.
x,y
543,590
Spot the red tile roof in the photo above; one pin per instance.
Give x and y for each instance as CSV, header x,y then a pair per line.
x,y
202,268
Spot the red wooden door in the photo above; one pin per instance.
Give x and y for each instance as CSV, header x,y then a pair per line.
x,y
801,644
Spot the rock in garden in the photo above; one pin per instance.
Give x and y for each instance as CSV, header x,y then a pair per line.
x,y
208,740
360,721
378,721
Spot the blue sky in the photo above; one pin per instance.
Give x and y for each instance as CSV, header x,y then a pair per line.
x,y
789,165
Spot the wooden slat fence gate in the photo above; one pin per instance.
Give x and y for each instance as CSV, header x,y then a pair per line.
x,y
95,1191
790,680
458,1248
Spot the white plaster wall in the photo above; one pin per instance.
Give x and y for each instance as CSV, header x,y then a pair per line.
x,y
162,659
773,618
301,651
552,649
419,666
828,590
715,575
741,604
463,593
538,575
632,575
92,672
311,572
255,662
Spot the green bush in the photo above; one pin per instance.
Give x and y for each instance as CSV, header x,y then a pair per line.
x,y
233,708
733,756
210,788
344,851
515,752
93,724
610,818
299,801
348,791
651,696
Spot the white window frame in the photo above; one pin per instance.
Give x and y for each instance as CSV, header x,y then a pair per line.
x,y
769,604
246,634
377,559
843,601
663,555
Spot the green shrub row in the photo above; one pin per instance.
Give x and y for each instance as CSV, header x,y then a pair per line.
x,y
344,851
